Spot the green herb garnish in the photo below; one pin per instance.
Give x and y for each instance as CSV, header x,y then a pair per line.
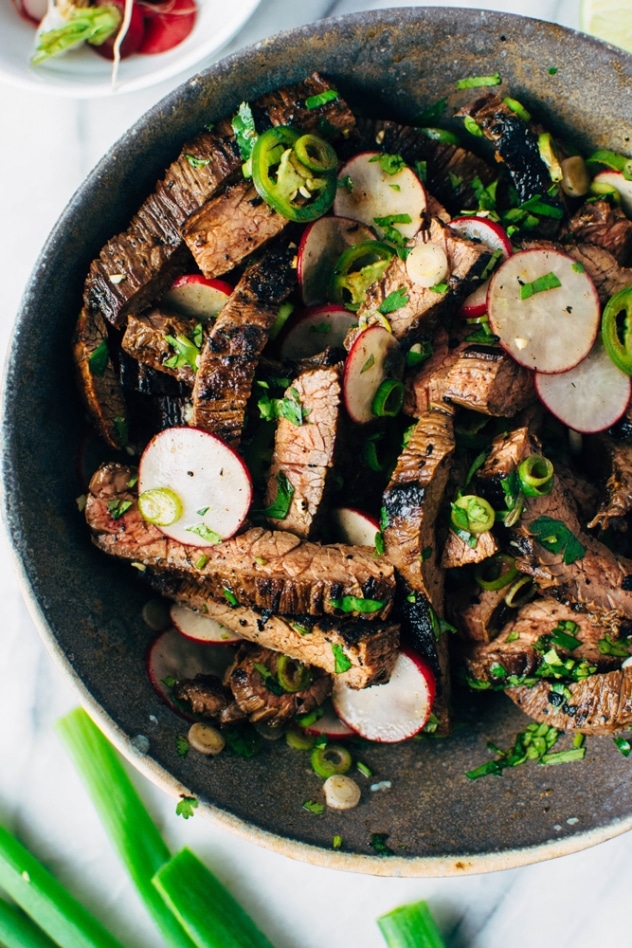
x,y
555,537
549,281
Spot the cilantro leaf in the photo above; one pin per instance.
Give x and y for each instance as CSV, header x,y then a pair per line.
x,y
555,537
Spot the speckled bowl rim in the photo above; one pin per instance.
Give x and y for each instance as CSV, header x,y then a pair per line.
x,y
416,866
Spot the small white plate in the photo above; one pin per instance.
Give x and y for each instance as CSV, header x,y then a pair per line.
x,y
83,74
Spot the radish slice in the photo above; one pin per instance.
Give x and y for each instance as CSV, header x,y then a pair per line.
x,y
32,10
615,179
330,725
374,356
368,193
319,249
199,627
354,526
495,239
193,486
164,30
391,712
314,329
552,329
131,40
197,296
590,397
172,657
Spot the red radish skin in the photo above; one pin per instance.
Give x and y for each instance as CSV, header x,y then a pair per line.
x,y
164,30
373,357
197,296
551,330
375,194
354,526
171,657
201,628
623,187
315,329
590,397
31,10
394,711
330,725
320,246
134,35
208,477
495,238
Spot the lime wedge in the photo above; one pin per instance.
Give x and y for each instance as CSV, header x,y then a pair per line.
x,y
609,20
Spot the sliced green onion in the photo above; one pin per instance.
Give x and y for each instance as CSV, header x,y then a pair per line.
x,y
315,153
357,604
616,329
535,474
517,108
410,926
204,907
160,506
17,930
298,739
123,814
440,135
474,82
520,593
331,759
472,513
46,901
292,675
389,398
549,281
496,572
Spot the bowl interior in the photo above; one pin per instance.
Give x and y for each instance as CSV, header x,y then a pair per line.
x,y
392,63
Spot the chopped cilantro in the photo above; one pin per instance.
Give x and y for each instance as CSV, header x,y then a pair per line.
x,y
608,646
98,359
390,164
243,125
555,537
205,533
549,281
393,301
117,507
280,506
356,604
379,845
322,98
182,746
434,112
313,806
186,807
288,407
342,662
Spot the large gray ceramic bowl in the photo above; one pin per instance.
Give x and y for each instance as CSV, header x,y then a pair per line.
x,y
89,608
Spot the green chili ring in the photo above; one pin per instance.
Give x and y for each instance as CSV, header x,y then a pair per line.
x,y
496,572
356,269
389,398
283,183
160,506
479,513
315,154
292,675
330,759
535,474
616,333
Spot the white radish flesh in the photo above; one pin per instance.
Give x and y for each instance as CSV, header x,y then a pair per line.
x,y
368,193
590,397
552,329
314,330
330,725
495,239
209,479
391,712
374,356
355,527
614,179
172,657
199,627
196,296
320,246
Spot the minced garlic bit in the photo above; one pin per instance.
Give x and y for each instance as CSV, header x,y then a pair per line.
x,y
117,278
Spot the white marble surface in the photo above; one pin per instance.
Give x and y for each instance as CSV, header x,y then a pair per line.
x,y
47,145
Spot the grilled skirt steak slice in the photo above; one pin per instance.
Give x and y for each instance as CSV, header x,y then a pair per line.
x,y
145,339
135,266
599,704
618,502
98,379
259,568
424,307
486,379
450,169
253,680
370,647
605,225
230,227
601,266
228,361
456,552
304,454
478,614
513,652
205,695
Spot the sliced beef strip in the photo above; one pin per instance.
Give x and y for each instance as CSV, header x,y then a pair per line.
x,y
457,553
228,360
205,695
424,307
258,695
478,614
487,380
98,379
618,500
145,339
515,144
411,503
260,568
424,388
305,453
599,704
370,647
513,649
135,266
450,169
606,225
230,227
